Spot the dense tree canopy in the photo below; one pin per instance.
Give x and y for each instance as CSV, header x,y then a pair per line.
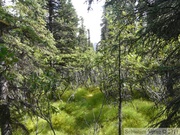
x,y
38,56
149,32
45,50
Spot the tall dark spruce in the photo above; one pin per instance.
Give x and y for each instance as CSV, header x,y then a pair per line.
x,y
25,45
156,43
5,117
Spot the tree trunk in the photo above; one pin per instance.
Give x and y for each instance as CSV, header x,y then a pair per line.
x,y
120,91
50,10
5,120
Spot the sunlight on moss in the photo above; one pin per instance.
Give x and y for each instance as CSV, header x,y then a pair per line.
x,y
89,114
110,128
133,119
109,113
146,108
89,95
63,121
30,125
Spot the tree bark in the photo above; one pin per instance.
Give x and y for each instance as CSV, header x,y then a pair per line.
x,y
50,10
5,119
120,92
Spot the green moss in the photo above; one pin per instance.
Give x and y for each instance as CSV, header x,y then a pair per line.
x,y
63,121
30,125
131,118
95,100
109,128
83,115
146,108
109,113
81,92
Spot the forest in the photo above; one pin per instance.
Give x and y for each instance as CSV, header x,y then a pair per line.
x,y
53,82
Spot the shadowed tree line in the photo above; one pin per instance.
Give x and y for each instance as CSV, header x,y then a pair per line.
x,y
40,45
147,33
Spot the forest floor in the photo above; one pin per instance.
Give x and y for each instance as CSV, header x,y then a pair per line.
x,y
88,112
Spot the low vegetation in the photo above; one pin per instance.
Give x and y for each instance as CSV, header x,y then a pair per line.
x,y
87,112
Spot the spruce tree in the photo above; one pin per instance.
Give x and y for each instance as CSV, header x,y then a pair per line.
x,y
156,47
27,46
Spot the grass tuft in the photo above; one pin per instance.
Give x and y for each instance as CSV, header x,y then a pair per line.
x,y
83,114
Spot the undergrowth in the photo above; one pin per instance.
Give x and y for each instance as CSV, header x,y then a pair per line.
x,y
86,112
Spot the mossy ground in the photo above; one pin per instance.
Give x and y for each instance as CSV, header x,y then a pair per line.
x,y
86,112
